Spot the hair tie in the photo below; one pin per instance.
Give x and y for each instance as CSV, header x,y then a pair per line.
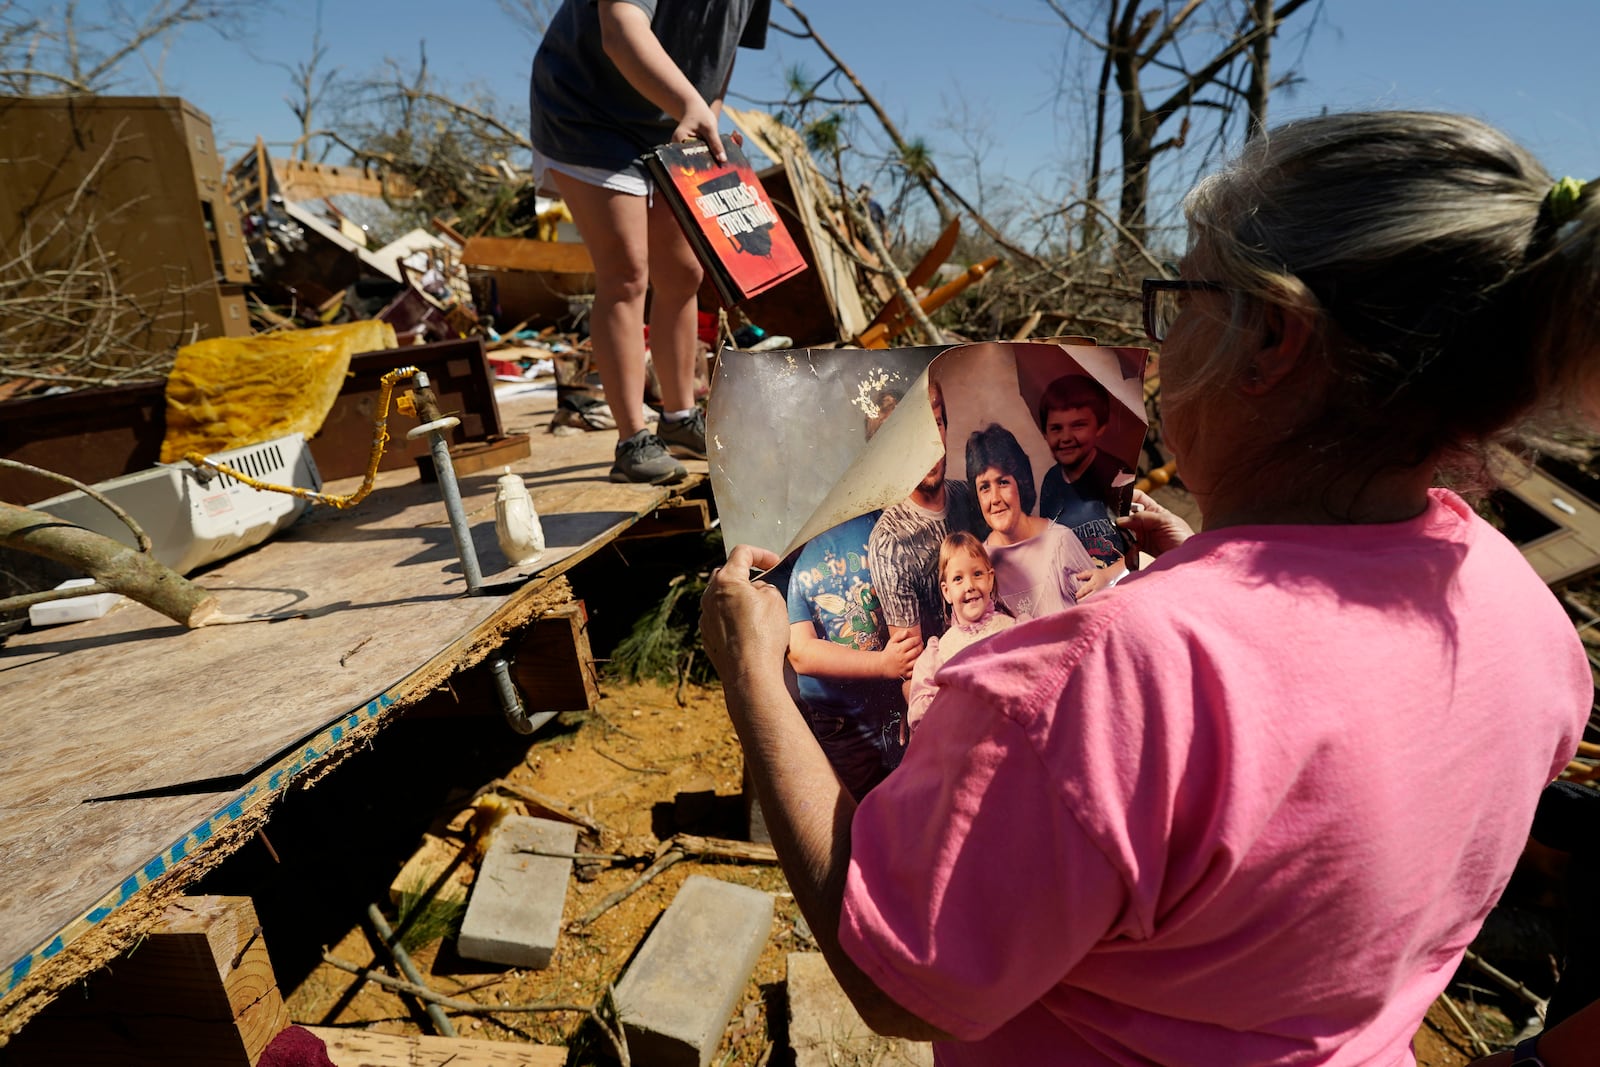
x,y
1561,202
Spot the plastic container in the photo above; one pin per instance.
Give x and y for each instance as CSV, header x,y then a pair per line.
x,y
78,608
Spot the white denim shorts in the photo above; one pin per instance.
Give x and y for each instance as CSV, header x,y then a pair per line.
x,y
618,181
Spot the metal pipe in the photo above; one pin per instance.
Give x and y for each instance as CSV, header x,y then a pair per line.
x,y
441,1022
460,531
516,712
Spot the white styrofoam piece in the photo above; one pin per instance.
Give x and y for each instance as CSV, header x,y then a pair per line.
x,y
194,517
56,612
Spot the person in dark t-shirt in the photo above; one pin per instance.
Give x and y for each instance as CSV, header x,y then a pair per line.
x,y
1074,412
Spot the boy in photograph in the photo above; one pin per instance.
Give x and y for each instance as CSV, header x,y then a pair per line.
x,y
1074,412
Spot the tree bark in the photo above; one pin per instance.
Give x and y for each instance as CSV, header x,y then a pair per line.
x,y
114,565
1260,64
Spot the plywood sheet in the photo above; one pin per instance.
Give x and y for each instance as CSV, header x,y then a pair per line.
x,y
134,747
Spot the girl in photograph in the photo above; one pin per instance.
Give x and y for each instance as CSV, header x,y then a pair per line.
x,y
966,579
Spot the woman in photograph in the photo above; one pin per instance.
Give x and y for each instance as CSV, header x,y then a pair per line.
x,y
1040,567
1192,821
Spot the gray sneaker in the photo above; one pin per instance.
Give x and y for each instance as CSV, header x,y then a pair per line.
x,y
686,436
643,458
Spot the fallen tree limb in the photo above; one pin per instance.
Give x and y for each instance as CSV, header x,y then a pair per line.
x,y
719,848
114,565
611,900
402,959
1508,983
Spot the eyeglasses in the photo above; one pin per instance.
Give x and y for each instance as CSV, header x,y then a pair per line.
x,y
1163,300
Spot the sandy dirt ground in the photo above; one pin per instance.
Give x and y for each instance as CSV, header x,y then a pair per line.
x,y
643,767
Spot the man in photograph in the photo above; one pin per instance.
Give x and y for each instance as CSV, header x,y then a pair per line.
x,y
903,551
1074,412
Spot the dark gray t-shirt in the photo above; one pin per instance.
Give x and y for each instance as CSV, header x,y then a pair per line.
x,y
586,113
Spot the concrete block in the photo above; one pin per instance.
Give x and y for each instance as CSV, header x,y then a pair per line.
x,y
514,913
825,1029
681,989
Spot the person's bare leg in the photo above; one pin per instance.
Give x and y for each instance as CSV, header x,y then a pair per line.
x,y
615,228
675,276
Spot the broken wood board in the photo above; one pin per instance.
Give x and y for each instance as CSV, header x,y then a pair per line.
x,y
138,754
364,1048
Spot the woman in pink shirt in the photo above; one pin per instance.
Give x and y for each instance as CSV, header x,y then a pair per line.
x,y
1191,821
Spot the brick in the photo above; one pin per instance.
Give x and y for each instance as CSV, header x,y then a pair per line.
x,y
825,1029
682,987
514,913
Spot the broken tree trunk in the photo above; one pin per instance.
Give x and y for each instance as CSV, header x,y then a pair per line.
x,y
113,564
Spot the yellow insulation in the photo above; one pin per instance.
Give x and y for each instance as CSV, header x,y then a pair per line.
x,y
228,392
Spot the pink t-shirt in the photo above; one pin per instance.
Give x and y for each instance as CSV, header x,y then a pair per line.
x,y
1249,806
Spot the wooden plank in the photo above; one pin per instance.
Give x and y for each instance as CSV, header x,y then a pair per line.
x,y
364,1048
554,666
199,989
677,517
520,253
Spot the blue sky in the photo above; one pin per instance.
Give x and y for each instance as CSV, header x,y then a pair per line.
x,y
991,67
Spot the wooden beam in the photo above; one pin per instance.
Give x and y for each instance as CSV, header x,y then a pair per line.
x,y
363,1048
554,667
198,989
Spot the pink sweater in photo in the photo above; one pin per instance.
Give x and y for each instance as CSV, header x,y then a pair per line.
x,y
1247,807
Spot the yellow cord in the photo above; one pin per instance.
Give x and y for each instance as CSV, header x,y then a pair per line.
x,y
380,437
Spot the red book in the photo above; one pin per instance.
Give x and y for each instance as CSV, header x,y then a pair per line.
x,y
727,217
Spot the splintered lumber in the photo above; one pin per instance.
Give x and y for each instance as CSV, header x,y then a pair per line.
x,y
363,1048
918,275
199,989
114,565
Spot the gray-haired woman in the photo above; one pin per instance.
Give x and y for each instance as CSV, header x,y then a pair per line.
x,y
1186,822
